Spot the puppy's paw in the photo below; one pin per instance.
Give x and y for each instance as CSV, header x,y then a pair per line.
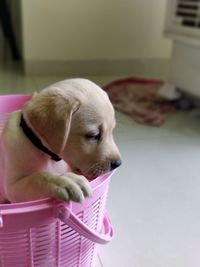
x,y
71,187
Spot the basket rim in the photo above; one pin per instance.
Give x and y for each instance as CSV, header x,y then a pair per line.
x,y
46,203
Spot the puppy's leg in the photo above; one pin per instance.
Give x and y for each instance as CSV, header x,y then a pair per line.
x,y
65,187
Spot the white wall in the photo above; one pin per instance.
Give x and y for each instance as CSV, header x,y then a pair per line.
x,y
70,30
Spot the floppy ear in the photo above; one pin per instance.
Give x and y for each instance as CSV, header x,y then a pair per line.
x,y
49,116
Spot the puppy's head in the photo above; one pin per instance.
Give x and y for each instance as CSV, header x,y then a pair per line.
x,y
75,119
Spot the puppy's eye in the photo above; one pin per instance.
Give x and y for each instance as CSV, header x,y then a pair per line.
x,y
93,137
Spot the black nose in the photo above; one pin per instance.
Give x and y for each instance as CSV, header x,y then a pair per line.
x,y
115,164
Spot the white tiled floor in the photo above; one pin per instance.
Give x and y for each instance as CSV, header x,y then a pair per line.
x,y
154,199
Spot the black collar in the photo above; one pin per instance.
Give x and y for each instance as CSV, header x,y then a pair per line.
x,y
35,140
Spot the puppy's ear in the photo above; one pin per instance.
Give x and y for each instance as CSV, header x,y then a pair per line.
x,y
49,116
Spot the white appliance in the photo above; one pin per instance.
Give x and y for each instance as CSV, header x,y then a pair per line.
x,y
183,26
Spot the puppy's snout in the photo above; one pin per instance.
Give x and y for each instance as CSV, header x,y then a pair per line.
x,y
115,164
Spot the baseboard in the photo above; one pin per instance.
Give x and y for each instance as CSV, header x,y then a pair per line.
x,y
148,67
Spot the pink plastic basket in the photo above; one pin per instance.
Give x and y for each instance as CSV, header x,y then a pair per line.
x,y
49,233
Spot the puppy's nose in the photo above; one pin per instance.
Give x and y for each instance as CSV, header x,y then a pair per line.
x,y
115,164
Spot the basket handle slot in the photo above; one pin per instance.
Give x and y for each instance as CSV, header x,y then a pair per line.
x,y
65,214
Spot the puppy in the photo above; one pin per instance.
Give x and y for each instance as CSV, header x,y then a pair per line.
x,y
60,140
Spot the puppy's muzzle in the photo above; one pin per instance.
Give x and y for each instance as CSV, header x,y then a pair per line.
x,y
115,164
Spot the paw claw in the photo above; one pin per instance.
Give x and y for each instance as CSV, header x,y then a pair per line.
x,y
71,187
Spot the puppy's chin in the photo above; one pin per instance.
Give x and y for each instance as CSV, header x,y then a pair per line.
x,y
90,175
94,174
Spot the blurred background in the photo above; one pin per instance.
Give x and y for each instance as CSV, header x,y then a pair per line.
x,y
78,38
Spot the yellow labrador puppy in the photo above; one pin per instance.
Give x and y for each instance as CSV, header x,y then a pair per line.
x,y
59,140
